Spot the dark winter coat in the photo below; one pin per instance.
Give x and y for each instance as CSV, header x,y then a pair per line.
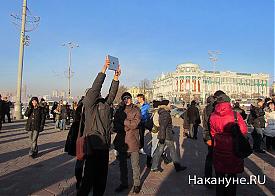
x,y
221,122
240,111
165,124
126,121
64,112
6,106
98,119
193,115
36,119
205,121
257,115
1,108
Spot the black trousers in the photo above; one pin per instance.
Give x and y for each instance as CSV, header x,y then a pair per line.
x,y
78,170
95,173
208,163
270,142
8,115
141,134
221,190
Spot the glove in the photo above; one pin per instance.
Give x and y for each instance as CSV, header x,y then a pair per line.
x,y
209,142
161,141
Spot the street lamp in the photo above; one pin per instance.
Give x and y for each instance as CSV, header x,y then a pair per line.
x,y
70,46
17,106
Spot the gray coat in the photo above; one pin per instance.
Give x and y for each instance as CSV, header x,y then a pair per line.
x,y
98,117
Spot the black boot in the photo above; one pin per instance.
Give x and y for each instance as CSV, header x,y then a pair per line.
x,y
121,188
165,159
137,189
178,167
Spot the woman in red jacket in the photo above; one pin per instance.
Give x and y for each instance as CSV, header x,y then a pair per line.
x,y
225,162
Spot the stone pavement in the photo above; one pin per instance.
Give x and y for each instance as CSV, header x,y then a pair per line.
x,y
52,172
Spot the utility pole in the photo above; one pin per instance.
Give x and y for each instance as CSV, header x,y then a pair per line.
x,y
17,108
70,46
213,56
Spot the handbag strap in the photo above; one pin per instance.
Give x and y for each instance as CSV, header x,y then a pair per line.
x,y
80,123
235,117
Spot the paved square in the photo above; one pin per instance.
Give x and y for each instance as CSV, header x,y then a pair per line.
x,y
52,172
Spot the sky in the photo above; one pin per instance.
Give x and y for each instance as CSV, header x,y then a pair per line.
x,y
148,37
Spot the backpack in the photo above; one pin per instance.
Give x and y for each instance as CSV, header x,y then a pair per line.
x,y
241,146
155,119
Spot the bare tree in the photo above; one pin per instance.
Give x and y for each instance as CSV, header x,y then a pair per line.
x,y
144,85
120,91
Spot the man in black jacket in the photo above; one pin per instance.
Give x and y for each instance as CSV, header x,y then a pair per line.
x,y
1,111
207,136
258,122
98,131
166,138
194,119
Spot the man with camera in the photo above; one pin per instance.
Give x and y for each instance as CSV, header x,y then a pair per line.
x,y
98,133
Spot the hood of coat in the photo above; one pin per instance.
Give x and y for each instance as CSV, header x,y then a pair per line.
x,y
223,109
165,107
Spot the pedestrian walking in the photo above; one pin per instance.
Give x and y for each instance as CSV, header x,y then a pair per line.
x,y
258,122
193,116
154,137
127,142
6,109
98,134
144,108
57,115
63,115
269,131
1,111
207,136
35,124
226,163
166,138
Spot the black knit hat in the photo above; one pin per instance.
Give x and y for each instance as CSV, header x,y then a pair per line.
x,y
156,103
218,93
223,98
126,95
164,102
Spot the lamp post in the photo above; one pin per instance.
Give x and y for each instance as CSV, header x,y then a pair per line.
x,y
17,106
70,46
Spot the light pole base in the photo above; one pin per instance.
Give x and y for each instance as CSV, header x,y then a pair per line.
x,y
18,111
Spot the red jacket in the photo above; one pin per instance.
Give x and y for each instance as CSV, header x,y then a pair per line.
x,y
221,121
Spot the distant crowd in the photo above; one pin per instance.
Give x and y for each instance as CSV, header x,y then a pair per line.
x,y
95,118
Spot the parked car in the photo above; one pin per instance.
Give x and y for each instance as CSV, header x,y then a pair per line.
x,y
177,112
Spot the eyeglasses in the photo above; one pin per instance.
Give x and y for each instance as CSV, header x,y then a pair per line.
x,y
126,97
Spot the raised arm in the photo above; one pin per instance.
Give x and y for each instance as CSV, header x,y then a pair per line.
x,y
114,87
94,92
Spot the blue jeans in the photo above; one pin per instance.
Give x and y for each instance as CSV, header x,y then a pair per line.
x,y
63,124
170,145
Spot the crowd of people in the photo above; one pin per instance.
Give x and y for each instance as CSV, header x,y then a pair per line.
x,y
95,118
